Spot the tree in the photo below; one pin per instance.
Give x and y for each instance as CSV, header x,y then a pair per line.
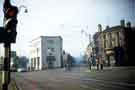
x,y
15,61
71,60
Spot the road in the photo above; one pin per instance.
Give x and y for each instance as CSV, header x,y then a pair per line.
x,y
77,79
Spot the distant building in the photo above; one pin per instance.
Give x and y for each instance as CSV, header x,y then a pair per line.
x,y
110,44
13,56
90,52
46,52
23,62
65,58
98,44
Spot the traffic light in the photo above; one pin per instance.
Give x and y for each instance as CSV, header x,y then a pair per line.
x,y
10,24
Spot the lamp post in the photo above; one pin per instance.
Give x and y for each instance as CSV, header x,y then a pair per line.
x,y
89,50
23,6
87,34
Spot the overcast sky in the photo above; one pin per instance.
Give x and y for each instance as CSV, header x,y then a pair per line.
x,y
67,18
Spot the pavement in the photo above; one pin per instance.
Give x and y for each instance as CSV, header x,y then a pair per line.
x,y
13,85
79,78
115,78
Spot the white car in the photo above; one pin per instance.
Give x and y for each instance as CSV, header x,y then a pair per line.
x,y
21,70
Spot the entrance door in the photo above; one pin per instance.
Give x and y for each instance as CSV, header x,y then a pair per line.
x,y
50,61
119,56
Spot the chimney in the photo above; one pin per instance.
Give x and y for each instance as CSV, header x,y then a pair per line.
x,y
99,28
122,22
107,27
128,24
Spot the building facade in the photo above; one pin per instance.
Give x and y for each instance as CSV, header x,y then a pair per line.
x,y
98,44
46,52
113,44
110,44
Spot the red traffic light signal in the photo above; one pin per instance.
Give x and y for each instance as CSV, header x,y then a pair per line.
x,y
10,24
12,11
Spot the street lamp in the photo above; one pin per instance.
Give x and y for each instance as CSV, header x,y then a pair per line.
x,y
87,34
23,6
89,51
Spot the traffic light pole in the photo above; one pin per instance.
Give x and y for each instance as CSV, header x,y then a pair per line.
x,y
6,71
7,36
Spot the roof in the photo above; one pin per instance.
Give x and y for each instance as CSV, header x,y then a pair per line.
x,y
45,37
110,29
115,28
35,39
50,36
95,36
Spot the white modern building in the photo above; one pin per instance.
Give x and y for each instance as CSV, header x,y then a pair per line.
x,y
45,52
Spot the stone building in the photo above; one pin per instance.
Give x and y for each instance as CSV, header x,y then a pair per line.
x,y
98,43
110,44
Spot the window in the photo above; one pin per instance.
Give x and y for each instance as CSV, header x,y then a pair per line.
x,y
52,49
110,39
118,43
34,62
50,41
113,39
104,38
31,61
120,38
38,61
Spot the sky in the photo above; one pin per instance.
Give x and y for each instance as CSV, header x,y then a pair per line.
x,y
67,18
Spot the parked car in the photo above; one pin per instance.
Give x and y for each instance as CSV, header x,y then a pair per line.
x,y
21,70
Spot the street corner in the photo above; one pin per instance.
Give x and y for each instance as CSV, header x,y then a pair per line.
x,y
13,86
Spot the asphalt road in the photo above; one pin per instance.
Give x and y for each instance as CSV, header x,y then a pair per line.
x,y
77,79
